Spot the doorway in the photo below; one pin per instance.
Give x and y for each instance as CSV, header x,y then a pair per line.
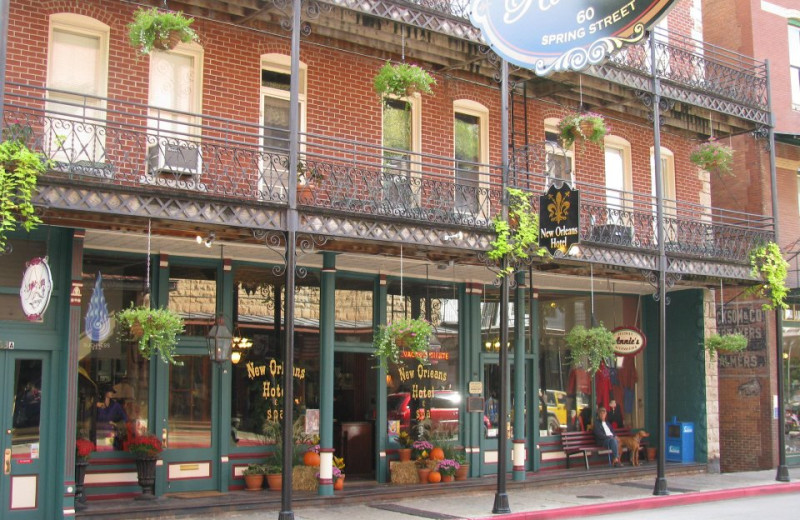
x,y
354,409
25,378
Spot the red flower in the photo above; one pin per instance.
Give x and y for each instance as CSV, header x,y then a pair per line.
x,y
143,446
83,448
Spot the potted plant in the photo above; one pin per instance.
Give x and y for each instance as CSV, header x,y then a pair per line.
x,y
83,448
768,264
409,334
406,442
401,80
421,450
517,235
155,29
156,330
585,126
713,156
338,473
590,347
146,449
308,177
463,468
19,170
726,343
254,476
448,468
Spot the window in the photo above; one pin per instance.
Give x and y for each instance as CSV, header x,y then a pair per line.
x,y
668,191
794,62
560,161
401,141
275,84
175,99
74,127
618,176
470,150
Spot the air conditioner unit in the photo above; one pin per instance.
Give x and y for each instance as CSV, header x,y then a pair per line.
x,y
173,158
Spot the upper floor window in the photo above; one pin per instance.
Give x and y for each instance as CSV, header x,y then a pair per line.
x,y
794,61
402,144
560,161
618,173
471,151
76,104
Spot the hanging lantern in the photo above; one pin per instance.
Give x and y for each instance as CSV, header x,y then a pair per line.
x,y
219,341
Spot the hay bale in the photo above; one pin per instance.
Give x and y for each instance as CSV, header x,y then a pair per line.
x,y
304,478
403,472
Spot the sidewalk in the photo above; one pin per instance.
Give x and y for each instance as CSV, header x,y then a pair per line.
x,y
562,500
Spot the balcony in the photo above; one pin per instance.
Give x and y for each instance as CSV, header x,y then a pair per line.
x,y
115,157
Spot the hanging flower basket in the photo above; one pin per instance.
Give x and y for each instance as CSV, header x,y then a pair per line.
x,y
582,127
714,157
590,347
725,343
19,170
155,330
163,30
402,80
409,335
767,264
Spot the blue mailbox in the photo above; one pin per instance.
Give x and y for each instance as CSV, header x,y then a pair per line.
x,y
680,441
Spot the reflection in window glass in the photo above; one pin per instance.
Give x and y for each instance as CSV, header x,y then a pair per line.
x,y
258,380
112,375
189,424
424,398
354,306
26,414
565,388
193,295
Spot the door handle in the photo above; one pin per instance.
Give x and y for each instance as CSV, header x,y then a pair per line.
x,y
164,437
7,461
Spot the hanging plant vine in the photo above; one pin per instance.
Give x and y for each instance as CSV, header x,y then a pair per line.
x,y
768,264
517,234
19,169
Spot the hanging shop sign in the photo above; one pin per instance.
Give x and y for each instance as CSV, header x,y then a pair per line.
x,y
36,289
557,35
628,341
559,218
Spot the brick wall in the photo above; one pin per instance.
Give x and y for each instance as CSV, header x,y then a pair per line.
x,y
341,101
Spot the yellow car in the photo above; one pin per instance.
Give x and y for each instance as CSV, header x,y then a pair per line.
x,y
556,411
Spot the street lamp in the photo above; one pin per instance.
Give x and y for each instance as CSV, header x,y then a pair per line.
x,y
219,341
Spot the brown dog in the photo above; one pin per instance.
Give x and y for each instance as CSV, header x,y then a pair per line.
x,y
632,443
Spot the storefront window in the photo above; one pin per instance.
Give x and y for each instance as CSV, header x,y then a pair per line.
x,y
423,397
258,369
791,367
354,309
193,295
566,390
112,375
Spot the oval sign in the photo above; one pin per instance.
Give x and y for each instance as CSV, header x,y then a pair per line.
x,y
628,341
560,35
36,288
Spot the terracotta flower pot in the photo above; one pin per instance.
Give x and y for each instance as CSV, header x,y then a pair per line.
x,y
168,43
423,473
462,473
652,453
253,482
405,454
447,478
339,484
275,481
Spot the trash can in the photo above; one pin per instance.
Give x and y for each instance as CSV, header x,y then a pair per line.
x,y
680,441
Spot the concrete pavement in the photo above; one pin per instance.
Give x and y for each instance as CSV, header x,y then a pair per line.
x,y
573,499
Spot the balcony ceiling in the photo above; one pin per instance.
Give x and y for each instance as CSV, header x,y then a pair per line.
x,y
453,50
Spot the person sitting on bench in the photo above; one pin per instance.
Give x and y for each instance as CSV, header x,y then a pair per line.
x,y
604,435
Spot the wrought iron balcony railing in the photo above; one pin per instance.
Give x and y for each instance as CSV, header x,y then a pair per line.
x,y
109,144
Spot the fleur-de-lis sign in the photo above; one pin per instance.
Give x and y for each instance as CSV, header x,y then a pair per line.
x,y
558,208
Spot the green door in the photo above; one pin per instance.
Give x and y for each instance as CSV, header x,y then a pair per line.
x,y
24,381
191,457
491,416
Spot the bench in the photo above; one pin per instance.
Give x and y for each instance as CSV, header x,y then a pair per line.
x,y
584,443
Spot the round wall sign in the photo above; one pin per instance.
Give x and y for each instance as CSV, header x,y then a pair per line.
x,y
36,288
628,341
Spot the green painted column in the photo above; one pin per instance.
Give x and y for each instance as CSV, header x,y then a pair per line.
x,y
518,451
536,383
225,292
379,318
159,372
327,316
472,318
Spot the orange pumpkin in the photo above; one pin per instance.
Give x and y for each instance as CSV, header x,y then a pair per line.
x,y
434,477
311,459
437,454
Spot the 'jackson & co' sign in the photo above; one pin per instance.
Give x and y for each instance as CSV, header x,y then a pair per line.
x,y
559,35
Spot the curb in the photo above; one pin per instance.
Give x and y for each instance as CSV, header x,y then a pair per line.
x,y
649,503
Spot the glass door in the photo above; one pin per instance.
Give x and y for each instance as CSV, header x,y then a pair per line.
x,y
23,434
491,416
